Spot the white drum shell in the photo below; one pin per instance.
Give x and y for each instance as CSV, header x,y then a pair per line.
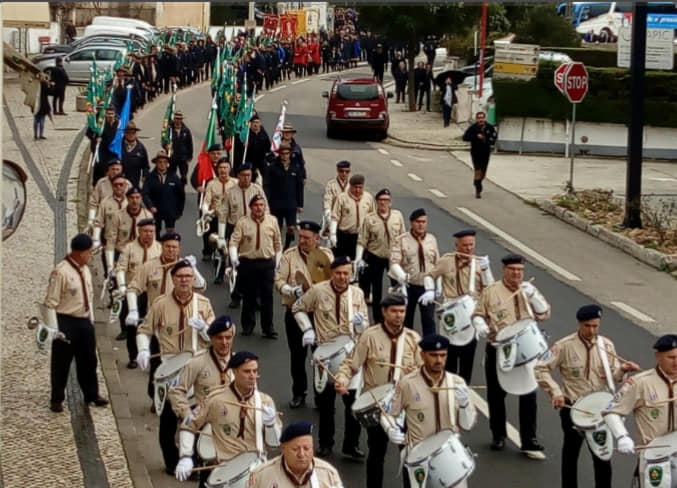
x,y
449,461
659,462
166,375
454,320
234,473
332,353
597,434
366,411
520,380
528,338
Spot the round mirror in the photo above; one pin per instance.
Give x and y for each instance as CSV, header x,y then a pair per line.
x,y
13,197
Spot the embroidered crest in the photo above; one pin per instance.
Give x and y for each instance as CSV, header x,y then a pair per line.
x,y
224,411
654,413
419,475
205,373
506,349
599,437
226,429
449,320
575,373
417,397
124,233
154,284
501,314
655,475
653,395
420,417
169,330
73,291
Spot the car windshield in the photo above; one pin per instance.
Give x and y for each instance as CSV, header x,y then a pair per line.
x,y
357,92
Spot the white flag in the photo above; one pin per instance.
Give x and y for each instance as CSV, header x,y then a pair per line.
x,y
277,135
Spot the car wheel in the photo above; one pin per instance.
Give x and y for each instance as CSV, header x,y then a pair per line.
x,y
382,134
331,133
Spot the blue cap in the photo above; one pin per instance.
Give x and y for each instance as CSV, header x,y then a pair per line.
x,y
392,299
297,429
434,342
170,236
214,147
310,225
666,343
182,263
255,199
219,325
382,192
241,357
589,312
244,166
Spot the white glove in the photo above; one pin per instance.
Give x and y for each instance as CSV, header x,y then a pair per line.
x,y
360,264
96,244
234,258
184,468
461,393
132,319
332,240
483,262
197,323
221,243
268,416
358,318
481,327
191,259
395,435
528,289
143,359
626,445
426,298
121,290
308,338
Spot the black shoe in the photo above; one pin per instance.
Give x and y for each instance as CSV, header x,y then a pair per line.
x,y
234,304
56,407
323,452
498,444
533,449
478,195
99,401
271,334
122,336
132,364
43,137
353,453
297,402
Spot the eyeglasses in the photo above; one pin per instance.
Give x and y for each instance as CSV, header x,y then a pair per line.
x,y
183,276
344,171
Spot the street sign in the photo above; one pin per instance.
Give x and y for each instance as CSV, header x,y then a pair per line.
x,y
559,77
516,69
575,82
661,21
515,60
659,48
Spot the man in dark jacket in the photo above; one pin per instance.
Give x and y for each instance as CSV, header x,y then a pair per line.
x,y
110,128
284,190
258,145
481,136
134,156
181,148
60,80
163,194
168,66
378,62
210,56
426,81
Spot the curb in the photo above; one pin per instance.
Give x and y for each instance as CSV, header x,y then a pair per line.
x,y
655,259
397,142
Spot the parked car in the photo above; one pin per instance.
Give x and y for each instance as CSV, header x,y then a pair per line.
x,y
61,49
357,104
78,62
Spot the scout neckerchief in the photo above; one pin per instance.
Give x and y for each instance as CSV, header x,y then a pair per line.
x,y
182,317
357,209
223,371
421,254
295,480
436,395
77,268
145,249
243,410
671,394
132,232
165,272
459,264
396,352
385,226
588,349
258,230
337,302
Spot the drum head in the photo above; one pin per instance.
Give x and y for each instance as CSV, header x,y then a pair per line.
x,y
518,381
429,446
595,403
366,399
328,349
233,468
172,364
512,330
658,453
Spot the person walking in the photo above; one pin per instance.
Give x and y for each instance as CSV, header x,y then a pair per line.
x,y
164,194
448,99
42,109
60,80
481,136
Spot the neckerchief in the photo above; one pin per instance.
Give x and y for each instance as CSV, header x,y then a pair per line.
x,y
82,280
296,481
182,318
342,186
671,394
337,306
393,348
385,225
243,410
436,394
132,232
588,348
421,254
223,372
165,271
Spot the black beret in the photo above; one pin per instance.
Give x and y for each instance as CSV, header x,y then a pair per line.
x,y
112,162
343,164
297,429
223,159
181,263
464,233
380,193
219,325
512,259
214,147
419,212
588,312
356,180
170,236
434,342
254,117
81,242
310,225
244,166
666,343
241,357
143,222
340,261
133,190
255,199
392,299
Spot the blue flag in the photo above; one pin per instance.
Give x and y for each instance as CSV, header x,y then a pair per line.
x,y
116,144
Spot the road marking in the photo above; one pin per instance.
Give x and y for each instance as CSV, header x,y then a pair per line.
x,y
395,162
522,247
302,80
483,407
259,97
437,193
389,84
277,88
414,177
663,179
382,151
632,311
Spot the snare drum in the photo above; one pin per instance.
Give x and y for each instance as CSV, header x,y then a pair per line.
x,y
454,320
167,375
330,355
597,435
440,461
518,344
658,465
366,410
205,444
234,473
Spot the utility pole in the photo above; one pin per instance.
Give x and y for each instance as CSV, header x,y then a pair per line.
x,y
633,182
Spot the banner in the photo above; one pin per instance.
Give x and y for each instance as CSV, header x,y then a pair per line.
x,y
205,172
277,135
288,27
116,144
312,20
270,24
300,23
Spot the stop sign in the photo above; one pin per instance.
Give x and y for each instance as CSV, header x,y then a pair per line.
x,y
575,82
559,77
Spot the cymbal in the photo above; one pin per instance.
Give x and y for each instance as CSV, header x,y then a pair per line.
x,y
318,266
301,280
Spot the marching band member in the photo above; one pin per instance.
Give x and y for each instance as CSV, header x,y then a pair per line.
x,y
583,370
377,233
294,260
429,411
332,189
255,250
109,206
502,304
242,418
412,256
296,467
387,351
338,309
460,274
103,189
347,214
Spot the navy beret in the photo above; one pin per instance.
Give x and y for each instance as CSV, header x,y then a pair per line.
x,y
112,162
419,212
356,180
310,225
255,199
241,357
214,147
297,429
588,312
244,166
133,190
223,159
219,325
81,242
143,222
340,261
665,343
512,259
343,164
380,193
434,342
464,233
254,117
170,236
392,299
181,263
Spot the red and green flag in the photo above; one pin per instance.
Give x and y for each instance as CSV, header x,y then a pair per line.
x,y
205,172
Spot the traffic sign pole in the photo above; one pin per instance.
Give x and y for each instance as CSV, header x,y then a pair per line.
x,y
570,184
575,87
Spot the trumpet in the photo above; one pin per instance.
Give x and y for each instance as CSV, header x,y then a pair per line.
x,y
202,223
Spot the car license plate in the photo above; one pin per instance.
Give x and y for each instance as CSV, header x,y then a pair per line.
x,y
356,114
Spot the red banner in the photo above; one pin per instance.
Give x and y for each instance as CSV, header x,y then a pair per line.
x,y
287,27
270,23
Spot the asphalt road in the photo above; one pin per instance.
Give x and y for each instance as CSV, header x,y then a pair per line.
x,y
305,111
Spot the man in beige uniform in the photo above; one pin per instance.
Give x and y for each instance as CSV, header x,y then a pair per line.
x,y
338,309
293,261
587,363
386,352
502,304
242,418
377,233
430,411
296,467
413,255
109,207
332,189
103,189
69,307
349,210
648,395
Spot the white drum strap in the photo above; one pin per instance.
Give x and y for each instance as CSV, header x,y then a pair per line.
x,y
605,364
451,400
194,315
399,352
349,292
314,482
528,305
258,422
471,280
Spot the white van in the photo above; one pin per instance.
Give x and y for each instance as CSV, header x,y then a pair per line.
x,y
133,32
123,22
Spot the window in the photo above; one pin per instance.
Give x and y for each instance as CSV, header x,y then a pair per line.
x,y
357,92
107,54
84,55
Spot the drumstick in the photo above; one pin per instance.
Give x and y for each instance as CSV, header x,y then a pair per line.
x,y
444,388
663,402
622,360
577,409
332,375
244,405
380,407
647,446
519,290
392,365
207,468
156,355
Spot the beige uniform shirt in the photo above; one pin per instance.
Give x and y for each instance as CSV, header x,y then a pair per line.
x,y
377,233
330,309
500,310
427,412
215,195
154,278
107,210
103,189
123,228
332,189
70,290
455,274
205,372
236,203
641,394
134,255
350,213
417,258
292,261
167,317
376,345
579,365
257,240
275,474
233,427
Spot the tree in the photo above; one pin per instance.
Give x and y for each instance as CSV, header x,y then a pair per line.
x,y
539,24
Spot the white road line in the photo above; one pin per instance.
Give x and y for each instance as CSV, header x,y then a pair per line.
x,y
522,247
395,162
302,80
632,311
437,193
483,407
277,88
259,97
414,177
389,84
663,179
382,151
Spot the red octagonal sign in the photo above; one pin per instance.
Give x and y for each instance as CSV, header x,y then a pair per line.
x,y
576,82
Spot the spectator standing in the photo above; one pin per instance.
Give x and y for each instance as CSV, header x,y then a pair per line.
x,y
481,136
60,80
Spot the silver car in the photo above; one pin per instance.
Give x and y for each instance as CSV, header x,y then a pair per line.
x,y
78,62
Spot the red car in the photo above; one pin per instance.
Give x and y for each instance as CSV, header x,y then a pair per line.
x,y
358,104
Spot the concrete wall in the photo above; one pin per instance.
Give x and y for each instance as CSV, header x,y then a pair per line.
x,y
190,14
